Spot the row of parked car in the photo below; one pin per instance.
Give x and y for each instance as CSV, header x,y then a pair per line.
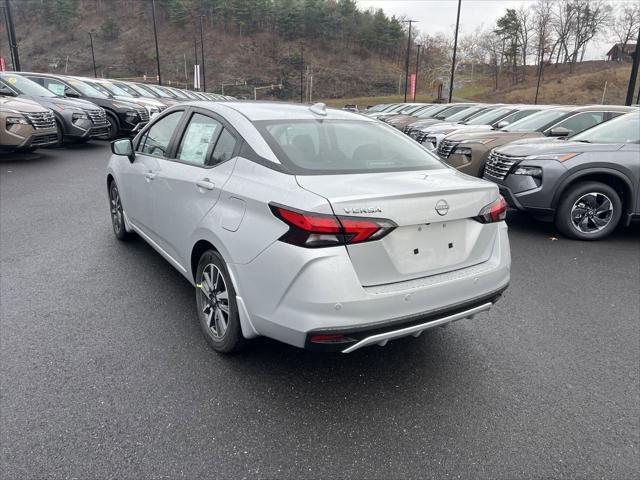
x,y
40,110
578,166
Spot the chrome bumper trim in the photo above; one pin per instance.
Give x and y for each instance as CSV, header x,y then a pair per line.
x,y
415,330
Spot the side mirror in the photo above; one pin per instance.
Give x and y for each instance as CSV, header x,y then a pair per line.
x,y
123,147
4,90
70,93
439,117
503,123
559,132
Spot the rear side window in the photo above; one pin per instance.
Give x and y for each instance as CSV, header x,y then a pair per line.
x,y
225,147
156,140
344,146
198,139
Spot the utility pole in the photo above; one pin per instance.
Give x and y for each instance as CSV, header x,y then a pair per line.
x,y
301,73
195,59
415,90
93,56
455,49
6,22
540,67
406,65
13,43
634,73
204,77
155,36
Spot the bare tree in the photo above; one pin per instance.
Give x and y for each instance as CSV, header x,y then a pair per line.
x,y
525,32
626,23
590,17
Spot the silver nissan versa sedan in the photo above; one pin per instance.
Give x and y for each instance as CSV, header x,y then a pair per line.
x,y
321,228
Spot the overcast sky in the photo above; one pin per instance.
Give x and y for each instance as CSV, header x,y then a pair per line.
x,y
436,16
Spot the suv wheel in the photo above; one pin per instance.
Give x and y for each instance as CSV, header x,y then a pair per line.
x,y
589,211
217,307
113,127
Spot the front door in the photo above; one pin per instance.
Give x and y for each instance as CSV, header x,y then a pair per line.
x,y
140,175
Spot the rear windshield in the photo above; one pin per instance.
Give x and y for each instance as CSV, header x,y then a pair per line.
x,y
344,146
624,129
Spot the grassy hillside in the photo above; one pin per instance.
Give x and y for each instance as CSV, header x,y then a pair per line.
x,y
585,86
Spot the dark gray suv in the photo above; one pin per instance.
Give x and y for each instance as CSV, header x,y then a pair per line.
x,y
588,184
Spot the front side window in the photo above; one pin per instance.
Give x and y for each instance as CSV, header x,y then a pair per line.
x,y
55,86
156,140
623,129
580,122
198,140
344,146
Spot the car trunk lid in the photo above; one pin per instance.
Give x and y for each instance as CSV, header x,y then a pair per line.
x,y
434,212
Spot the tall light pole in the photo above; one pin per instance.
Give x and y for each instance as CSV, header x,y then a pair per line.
x,y
195,62
13,43
634,73
204,78
406,65
455,48
301,73
93,56
155,36
415,90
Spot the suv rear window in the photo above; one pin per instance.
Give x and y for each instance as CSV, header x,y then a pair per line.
x,y
344,146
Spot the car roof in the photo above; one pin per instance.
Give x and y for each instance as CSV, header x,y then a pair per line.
x,y
265,110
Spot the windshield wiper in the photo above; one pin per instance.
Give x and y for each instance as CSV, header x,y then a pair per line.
x,y
582,141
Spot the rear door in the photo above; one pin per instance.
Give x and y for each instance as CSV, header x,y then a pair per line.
x,y
189,183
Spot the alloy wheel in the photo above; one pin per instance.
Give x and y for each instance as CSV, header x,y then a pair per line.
x,y
214,301
116,210
592,212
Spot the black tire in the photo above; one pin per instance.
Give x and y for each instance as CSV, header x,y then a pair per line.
x,y
113,126
585,206
230,339
117,215
60,133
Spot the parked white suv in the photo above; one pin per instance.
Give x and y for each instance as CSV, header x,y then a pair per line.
x,y
319,228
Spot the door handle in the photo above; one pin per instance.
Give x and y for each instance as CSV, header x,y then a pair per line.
x,y
149,176
206,184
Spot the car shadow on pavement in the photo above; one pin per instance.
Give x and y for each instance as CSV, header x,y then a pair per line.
x,y
45,154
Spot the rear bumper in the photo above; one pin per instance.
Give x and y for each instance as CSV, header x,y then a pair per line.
x,y
351,339
291,293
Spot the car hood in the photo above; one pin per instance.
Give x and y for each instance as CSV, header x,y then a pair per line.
x,y
538,149
139,101
398,118
499,135
55,102
23,105
427,122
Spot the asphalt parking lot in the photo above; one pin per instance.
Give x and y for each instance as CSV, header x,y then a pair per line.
x,y
105,373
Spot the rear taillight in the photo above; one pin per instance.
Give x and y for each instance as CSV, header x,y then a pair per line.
x,y
494,212
314,230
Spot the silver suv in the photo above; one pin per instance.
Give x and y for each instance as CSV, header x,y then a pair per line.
x,y
320,228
